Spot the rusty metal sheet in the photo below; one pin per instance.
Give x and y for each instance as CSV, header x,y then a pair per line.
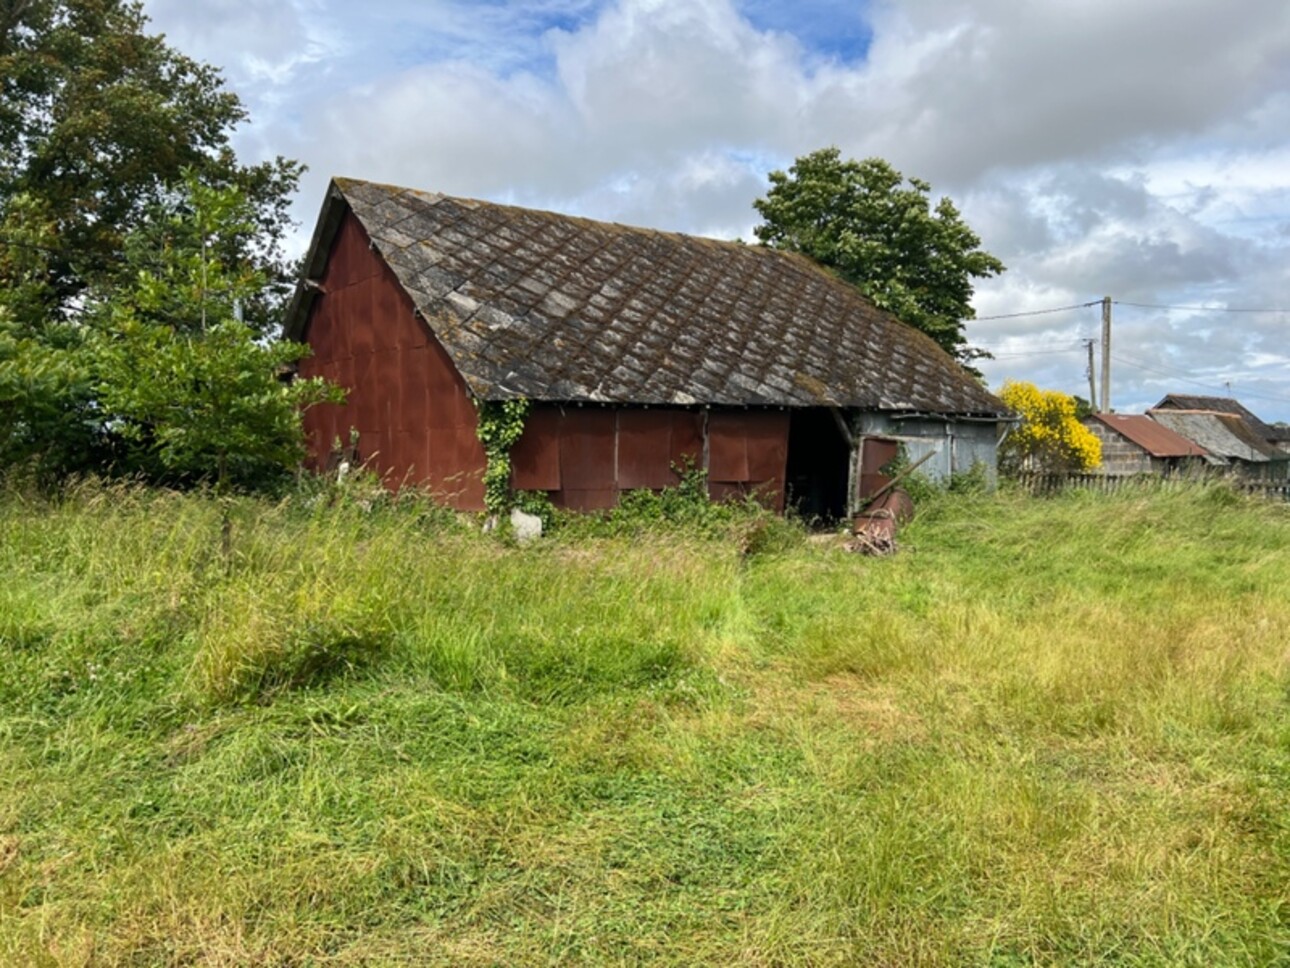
x,y
449,402
456,460
413,414
322,332
687,439
389,322
352,259
728,446
586,500
875,453
328,334
357,314
535,458
645,449
587,450
767,436
367,404
410,331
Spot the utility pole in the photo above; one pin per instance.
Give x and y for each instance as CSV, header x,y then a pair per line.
x,y
1106,355
1092,386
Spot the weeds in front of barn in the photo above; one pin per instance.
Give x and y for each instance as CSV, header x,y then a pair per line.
x,y
1050,731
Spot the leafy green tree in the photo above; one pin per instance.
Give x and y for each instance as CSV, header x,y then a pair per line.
x,y
861,220
188,389
98,120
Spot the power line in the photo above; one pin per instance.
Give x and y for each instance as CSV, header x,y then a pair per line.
x,y
1173,374
1037,312
1021,353
1199,309
1038,342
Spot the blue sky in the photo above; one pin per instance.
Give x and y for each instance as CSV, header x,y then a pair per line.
x,y
1098,147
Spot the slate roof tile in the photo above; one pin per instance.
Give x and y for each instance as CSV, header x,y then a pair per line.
x,y
565,309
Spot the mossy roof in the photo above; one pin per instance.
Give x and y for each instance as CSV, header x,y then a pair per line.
x,y
553,307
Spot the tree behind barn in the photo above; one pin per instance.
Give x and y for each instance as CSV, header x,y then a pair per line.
x,y
861,220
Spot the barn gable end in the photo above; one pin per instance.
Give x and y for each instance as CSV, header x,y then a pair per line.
x,y
413,415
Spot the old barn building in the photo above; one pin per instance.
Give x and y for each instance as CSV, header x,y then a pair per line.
x,y
639,350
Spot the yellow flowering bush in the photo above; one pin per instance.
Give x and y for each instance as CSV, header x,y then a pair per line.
x,y
1049,438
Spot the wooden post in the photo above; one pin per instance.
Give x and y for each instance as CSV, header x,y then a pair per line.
x,y
1092,385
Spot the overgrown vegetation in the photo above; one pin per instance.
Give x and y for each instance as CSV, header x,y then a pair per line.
x,y
1050,731
500,426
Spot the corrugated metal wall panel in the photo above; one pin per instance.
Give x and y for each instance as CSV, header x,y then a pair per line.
x,y
587,450
687,439
728,446
407,401
535,459
644,446
767,436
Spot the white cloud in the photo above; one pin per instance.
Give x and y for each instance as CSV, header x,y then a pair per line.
x,y
1097,146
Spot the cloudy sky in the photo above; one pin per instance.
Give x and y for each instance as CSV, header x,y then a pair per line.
x,y
1131,148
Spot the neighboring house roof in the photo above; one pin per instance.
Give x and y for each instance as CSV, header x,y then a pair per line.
x,y
1153,437
551,307
1222,434
1183,401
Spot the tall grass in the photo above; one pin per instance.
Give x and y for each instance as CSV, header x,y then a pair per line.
x,y
1049,731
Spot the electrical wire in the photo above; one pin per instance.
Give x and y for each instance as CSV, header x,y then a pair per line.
x,y
1197,309
1173,374
1037,312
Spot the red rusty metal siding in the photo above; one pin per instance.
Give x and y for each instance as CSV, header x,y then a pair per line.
x,y
586,457
748,454
876,453
535,458
588,478
645,449
414,416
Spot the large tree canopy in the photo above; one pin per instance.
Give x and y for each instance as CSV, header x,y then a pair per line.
x,y
99,119
860,219
140,261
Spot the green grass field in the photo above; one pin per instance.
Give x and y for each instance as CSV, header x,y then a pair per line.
x,y
1050,731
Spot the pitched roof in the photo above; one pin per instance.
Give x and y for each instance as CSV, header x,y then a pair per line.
x,y
552,307
1222,434
1183,401
1153,437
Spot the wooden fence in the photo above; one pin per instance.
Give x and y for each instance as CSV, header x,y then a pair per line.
x,y
1036,483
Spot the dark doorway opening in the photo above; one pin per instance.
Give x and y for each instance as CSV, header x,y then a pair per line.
x,y
818,464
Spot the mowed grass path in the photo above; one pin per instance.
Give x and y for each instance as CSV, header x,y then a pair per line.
x,y
1049,731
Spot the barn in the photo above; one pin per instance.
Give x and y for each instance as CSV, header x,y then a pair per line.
x,y
638,350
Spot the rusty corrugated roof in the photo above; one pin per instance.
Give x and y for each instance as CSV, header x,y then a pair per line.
x,y
552,307
1153,437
